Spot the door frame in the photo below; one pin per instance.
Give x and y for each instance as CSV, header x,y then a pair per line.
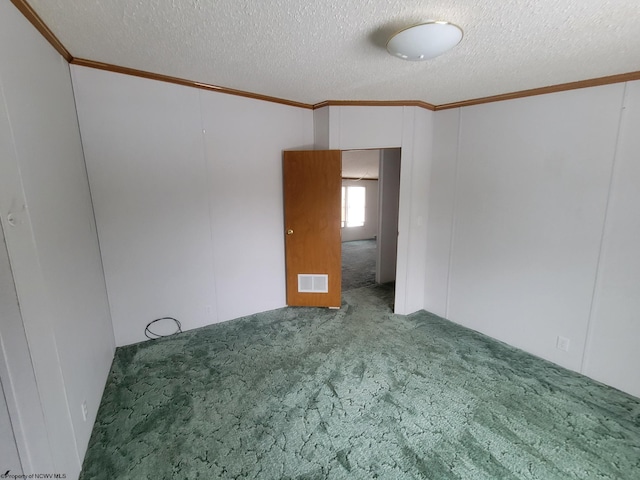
x,y
384,240
346,127
388,239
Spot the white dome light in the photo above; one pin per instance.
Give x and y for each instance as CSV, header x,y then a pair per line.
x,y
424,41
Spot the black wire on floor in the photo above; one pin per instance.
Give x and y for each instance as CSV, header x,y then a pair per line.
x,y
152,335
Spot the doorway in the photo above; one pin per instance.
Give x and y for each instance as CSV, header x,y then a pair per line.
x,y
369,222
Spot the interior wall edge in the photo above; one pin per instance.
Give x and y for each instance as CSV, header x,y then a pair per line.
x,y
405,211
593,360
423,143
606,229
452,231
93,210
30,14
452,237
34,304
52,243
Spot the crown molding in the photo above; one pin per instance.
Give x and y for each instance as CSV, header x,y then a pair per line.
x,y
181,81
375,103
563,87
46,32
30,14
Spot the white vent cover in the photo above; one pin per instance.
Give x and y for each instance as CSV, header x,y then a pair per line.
x,y
313,283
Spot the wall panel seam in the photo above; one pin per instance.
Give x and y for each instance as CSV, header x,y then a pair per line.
x,y
597,283
454,210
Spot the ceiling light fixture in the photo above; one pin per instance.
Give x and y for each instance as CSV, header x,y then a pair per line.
x,y
424,41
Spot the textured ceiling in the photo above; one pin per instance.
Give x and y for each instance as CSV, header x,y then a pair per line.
x,y
311,51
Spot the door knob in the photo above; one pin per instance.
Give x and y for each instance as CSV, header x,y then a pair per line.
x,y
289,232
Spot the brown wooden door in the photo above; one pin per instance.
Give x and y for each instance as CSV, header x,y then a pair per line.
x,y
312,199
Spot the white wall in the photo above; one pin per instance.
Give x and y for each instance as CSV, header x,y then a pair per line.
x,y
389,127
321,128
441,202
8,445
244,141
517,210
370,227
187,189
9,407
18,376
414,206
612,354
389,209
52,245
143,148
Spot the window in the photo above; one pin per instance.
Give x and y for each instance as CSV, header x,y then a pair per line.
x,y
353,203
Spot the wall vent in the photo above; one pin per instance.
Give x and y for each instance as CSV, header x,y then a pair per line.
x,y
313,283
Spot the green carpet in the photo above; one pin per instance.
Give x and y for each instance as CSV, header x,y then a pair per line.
x,y
354,393
358,264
